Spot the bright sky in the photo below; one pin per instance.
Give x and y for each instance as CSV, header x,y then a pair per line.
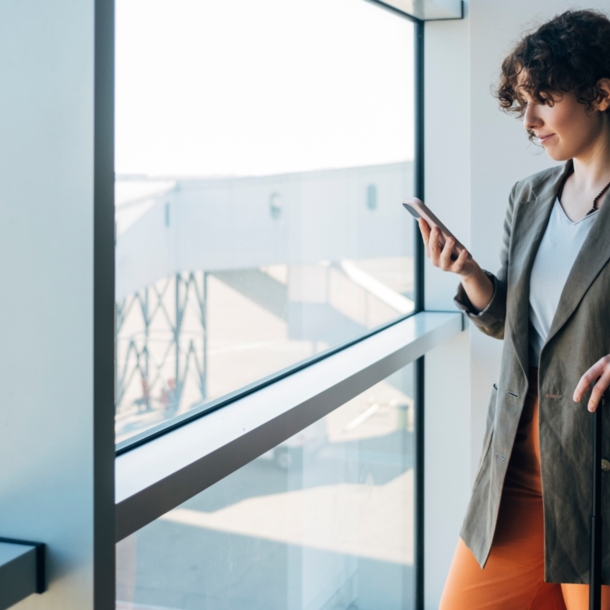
x,y
243,87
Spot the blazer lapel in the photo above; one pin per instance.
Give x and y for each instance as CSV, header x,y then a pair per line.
x,y
592,257
529,227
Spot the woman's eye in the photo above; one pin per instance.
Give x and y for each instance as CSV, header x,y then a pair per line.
x,y
546,99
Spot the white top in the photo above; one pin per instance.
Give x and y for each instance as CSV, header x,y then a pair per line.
x,y
558,249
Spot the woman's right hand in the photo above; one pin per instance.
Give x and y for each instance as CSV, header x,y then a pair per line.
x,y
442,257
477,285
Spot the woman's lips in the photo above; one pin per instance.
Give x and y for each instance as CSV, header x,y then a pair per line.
x,y
544,139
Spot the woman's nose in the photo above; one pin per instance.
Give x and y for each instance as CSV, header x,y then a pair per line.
x,y
530,118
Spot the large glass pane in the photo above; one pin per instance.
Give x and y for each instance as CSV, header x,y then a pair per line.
x,y
324,521
262,152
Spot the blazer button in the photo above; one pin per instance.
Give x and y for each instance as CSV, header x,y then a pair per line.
x,y
605,466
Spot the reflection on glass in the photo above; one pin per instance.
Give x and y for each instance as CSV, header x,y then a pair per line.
x,y
324,521
263,150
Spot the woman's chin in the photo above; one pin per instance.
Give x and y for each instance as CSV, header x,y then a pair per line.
x,y
556,155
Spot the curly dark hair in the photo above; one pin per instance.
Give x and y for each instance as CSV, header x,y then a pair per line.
x,y
570,53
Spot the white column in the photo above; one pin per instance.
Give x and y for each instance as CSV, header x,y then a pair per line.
x,y
56,481
447,370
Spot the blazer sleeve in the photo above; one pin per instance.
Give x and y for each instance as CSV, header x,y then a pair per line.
x,y
491,319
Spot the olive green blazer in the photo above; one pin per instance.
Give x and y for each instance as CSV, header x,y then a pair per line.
x,y
579,337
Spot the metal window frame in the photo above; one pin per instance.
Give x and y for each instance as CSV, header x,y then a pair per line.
x,y
104,573
420,402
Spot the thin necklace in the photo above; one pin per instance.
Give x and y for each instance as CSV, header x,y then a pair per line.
x,y
595,201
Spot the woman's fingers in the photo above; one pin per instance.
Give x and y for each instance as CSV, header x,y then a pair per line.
x,y
598,373
445,259
586,380
425,233
434,246
424,227
442,256
460,261
598,391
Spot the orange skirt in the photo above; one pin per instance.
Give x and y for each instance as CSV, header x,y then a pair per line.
x,y
513,577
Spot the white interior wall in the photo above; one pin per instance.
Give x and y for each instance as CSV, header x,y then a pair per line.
x,y
46,310
474,154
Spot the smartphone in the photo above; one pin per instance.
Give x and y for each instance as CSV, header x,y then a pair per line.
x,y
418,209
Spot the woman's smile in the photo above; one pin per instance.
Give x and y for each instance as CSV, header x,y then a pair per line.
x,y
544,139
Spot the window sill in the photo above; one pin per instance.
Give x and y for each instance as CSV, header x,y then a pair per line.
x,y
155,477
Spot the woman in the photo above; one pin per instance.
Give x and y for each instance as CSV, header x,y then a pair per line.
x,y
525,539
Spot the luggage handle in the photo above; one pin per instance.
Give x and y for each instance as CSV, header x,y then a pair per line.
x,y
595,532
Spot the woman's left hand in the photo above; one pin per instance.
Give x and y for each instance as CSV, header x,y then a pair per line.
x,y
600,371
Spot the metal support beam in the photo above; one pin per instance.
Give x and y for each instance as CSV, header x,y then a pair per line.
x,y
155,355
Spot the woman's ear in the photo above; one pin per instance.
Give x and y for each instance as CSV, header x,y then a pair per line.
x,y
603,101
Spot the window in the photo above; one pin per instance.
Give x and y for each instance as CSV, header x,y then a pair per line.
x,y
264,265
262,152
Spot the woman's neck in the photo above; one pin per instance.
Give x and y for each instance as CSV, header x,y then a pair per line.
x,y
592,167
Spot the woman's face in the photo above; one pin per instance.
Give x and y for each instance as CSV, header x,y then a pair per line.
x,y
564,127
